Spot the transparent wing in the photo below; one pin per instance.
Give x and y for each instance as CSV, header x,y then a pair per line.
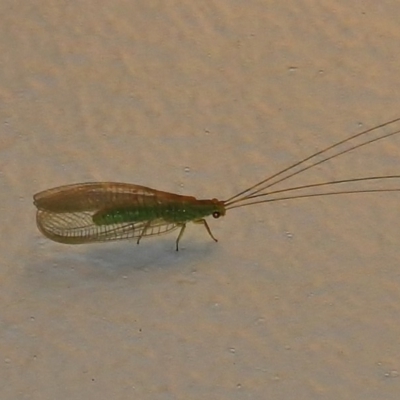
x,y
78,227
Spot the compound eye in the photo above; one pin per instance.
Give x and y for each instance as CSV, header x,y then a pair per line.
x,y
216,214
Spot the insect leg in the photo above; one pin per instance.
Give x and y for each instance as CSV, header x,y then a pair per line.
x,y
180,235
143,231
204,222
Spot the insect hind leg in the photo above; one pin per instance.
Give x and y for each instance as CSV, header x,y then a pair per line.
x,y
143,231
183,226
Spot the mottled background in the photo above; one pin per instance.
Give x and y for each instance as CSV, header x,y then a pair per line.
x,y
299,299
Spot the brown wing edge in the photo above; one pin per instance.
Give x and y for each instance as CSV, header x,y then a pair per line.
x,y
95,195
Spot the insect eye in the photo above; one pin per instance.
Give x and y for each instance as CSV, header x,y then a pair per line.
x,y
216,214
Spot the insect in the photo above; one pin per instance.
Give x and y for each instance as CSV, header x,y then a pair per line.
x,y
105,211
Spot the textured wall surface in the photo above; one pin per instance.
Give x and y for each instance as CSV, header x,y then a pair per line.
x,y
299,299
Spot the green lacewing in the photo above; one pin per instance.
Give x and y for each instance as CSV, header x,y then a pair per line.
x,y
106,211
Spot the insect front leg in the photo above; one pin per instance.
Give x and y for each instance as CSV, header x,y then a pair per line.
x,y
204,222
180,235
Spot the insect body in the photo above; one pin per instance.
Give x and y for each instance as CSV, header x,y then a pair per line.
x,y
96,212
105,211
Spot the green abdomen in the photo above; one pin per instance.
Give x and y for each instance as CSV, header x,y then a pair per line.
x,y
178,212
121,215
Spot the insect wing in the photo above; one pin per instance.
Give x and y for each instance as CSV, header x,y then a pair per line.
x,y
78,228
93,196
65,214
